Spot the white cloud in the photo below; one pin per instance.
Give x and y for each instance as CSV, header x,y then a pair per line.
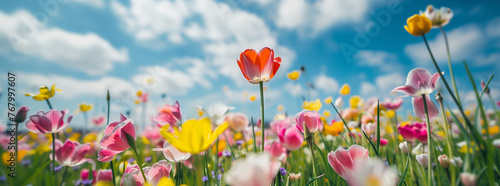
x,y
465,42
93,3
317,16
367,89
294,89
385,61
389,81
177,77
493,27
326,84
83,52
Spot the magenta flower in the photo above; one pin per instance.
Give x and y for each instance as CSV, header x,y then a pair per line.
x,y
104,175
153,174
98,120
71,153
291,138
310,119
415,131
115,139
420,82
342,161
21,114
49,122
169,114
392,105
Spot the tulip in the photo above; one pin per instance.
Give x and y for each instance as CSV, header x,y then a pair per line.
x,y
404,147
196,135
335,129
444,161
438,18
98,120
21,114
169,114
291,138
392,105
309,119
48,122
154,174
416,131
372,172
84,175
276,150
115,139
342,161
238,121
418,25
254,170
259,67
423,159
172,154
217,112
339,102
71,153
104,176
468,179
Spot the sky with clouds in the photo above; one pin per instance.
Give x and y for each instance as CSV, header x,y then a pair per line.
x,y
189,49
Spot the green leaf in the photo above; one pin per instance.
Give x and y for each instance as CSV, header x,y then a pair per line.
x,y
373,146
38,171
401,181
314,179
378,127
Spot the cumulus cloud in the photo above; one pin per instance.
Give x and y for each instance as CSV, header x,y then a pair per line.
x,y
367,89
92,3
384,61
88,52
326,84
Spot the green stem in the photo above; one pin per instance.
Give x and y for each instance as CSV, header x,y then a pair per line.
x,y
48,103
310,142
449,141
495,108
254,140
64,175
108,99
139,162
178,175
429,143
54,153
449,64
231,148
206,166
217,159
262,123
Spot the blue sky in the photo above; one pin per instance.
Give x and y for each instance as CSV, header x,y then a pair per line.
x,y
190,49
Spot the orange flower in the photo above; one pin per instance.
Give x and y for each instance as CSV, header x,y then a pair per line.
x,y
259,67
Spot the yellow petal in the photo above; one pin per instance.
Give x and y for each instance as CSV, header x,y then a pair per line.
x,y
213,135
253,98
345,89
104,183
165,181
173,141
40,97
294,75
139,93
328,100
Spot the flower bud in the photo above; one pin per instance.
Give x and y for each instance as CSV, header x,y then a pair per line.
x,y
439,97
294,177
456,161
444,161
468,179
21,114
404,147
423,159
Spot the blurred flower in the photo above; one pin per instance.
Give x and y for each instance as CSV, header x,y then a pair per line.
x,y
404,147
342,161
345,89
49,122
45,93
196,135
423,159
115,139
294,75
418,25
172,154
21,115
253,98
142,97
335,129
350,114
84,107
420,82
496,143
326,113
313,105
372,171
492,130
456,161
104,176
6,156
71,153
153,174
294,177
276,150
280,108
259,67
439,18
414,131
84,175
354,101
169,114
339,102
98,120
290,138
309,119
444,161
468,179
392,105
216,112
238,121
254,170
328,100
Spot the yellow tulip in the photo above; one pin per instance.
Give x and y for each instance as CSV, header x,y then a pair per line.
x,y
328,100
45,93
294,75
85,107
196,135
345,89
418,25
493,130
335,129
313,105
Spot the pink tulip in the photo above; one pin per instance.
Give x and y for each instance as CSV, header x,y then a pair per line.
x,y
415,131
152,133
84,175
21,114
169,114
392,105
172,154
49,122
153,174
349,114
276,150
420,82
253,170
115,140
71,153
104,175
237,121
310,119
291,138
342,161
276,126
98,120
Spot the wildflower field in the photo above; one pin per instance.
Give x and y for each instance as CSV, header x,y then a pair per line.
x,y
441,137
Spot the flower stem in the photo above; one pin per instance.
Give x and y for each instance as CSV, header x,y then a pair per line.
x,y
254,140
108,99
449,140
178,175
216,159
310,142
139,162
262,123
449,64
429,143
54,153
64,174
48,103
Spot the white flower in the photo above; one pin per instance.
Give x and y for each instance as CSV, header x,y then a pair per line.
x,y
217,112
373,171
404,147
439,18
254,170
423,159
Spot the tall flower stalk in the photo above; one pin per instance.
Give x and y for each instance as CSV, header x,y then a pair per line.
x,y
429,142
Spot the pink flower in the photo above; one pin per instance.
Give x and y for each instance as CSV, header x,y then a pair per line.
x,y
21,114
49,122
104,175
310,119
420,82
291,138
153,174
169,114
98,120
237,121
115,140
71,153
276,150
172,154
84,175
152,133
392,105
342,161
254,170
415,131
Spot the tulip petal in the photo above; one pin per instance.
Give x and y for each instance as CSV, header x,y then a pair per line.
x,y
418,107
418,76
434,79
406,89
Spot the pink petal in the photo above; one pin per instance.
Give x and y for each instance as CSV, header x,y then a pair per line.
x,y
65,152
158,171
434,80
332,160
406,89
80,152
56,118
344,158
418,107
42,123
106,155
31,126
418,76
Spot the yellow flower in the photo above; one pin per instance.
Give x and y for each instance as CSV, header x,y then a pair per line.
x,y
75,136
328,100
45,93
139,93
326,113
493,130
238,136
313,105
418,25
200,113
222,146
145,140
89,138
85,107
335,129
280,108
390,113
196,135
403,123
6,156
345,89
294,75
104,183
69,129
253,98
165,181
354,101
388,129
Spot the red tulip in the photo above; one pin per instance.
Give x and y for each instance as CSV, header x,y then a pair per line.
x,y
259,67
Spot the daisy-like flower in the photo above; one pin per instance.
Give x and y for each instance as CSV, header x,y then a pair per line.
x,y
439,17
